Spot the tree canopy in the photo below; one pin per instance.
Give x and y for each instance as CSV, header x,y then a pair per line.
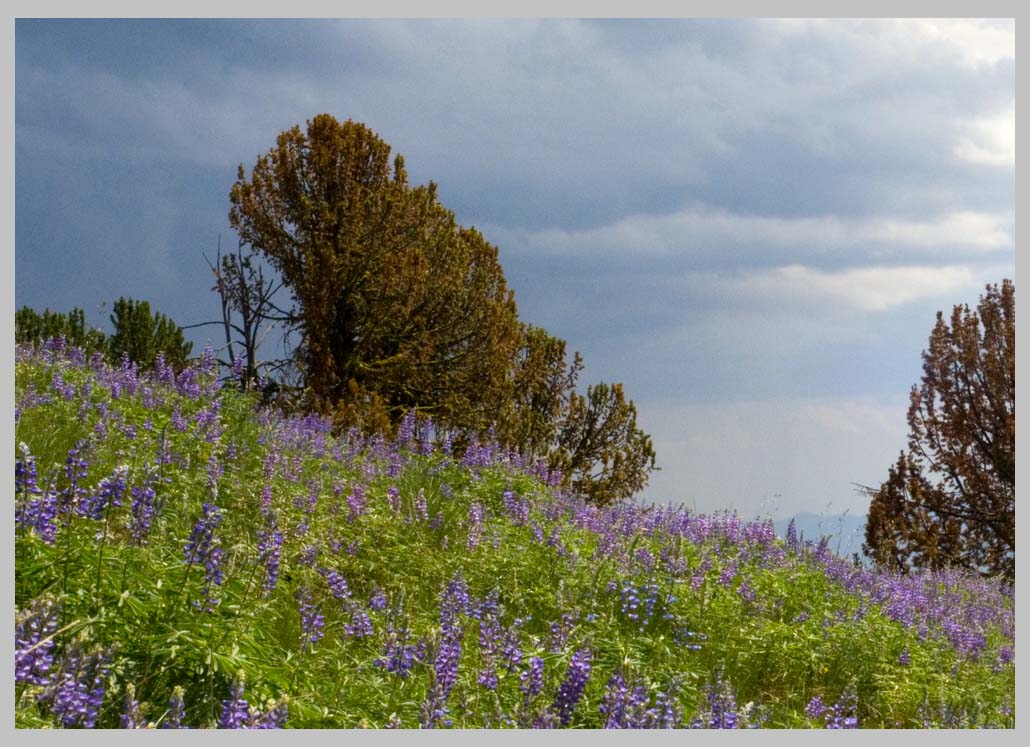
x,y
399,307
951,499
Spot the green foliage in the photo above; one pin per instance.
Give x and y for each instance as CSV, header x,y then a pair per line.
x,y
950,501
141,335
399,307
138,334
777,624
31,327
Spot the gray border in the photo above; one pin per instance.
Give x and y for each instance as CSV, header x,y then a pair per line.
x,y
459,8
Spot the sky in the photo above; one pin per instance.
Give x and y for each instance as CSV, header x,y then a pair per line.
x,y
751,224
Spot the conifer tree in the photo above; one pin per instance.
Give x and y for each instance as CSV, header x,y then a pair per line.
x,y
951,499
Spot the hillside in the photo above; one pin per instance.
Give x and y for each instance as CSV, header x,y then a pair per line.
x,y
184,558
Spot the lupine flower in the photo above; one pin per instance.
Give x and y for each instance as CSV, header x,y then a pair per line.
x,y
235,710
360,625
378,600
274,717
132,714
25,475
176,710
270,543
79,689
721,710
33,642
421,508
75,471
904,658
532,679
845,711
511,651
815,708
445,666
475,525
142,510
560,633
399,656
393,497
406,431
571,690
109,494
203,548
40,515
311,620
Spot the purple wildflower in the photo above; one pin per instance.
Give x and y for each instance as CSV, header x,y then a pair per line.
x,y
132,715
176,710
360,625
142,510
378,600
204,548
475,525
235,710
311,620
79,690
844,714
109,494
33,642
571,690
815,708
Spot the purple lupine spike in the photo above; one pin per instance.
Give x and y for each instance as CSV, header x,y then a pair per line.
x,y
34,630
844,714
235,710
78,694
142,509
475,525
406,431
204,548
176,710
357,502
275,715
109,494
360,625
815,708
399,656
571,690
132,716
311,620
378,599
613,707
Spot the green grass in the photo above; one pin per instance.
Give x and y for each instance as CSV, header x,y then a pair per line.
x,y
781,626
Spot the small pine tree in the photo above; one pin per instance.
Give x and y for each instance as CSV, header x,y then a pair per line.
x,y
141,335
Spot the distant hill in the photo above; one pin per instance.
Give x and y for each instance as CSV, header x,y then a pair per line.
x,y
847,531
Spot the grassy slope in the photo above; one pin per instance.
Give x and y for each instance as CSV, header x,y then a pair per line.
x,y
734,615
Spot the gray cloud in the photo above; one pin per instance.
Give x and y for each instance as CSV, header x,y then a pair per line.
x,y
731,217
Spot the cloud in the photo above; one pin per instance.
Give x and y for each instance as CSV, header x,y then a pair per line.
x,y
866,289
704,230
990,140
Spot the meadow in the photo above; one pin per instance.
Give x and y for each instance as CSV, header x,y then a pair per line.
x,y
185,558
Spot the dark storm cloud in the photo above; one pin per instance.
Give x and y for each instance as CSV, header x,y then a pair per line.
x,y
714,212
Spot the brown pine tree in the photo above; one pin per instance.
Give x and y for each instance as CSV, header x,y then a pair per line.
x,y
951,499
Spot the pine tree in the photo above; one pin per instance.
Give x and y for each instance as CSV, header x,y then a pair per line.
x,y
951,499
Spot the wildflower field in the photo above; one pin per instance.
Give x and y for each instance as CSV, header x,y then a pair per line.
x,y
185,558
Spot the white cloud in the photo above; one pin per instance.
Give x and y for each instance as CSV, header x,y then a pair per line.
x,y
701,227
990,140
979,41
865,288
